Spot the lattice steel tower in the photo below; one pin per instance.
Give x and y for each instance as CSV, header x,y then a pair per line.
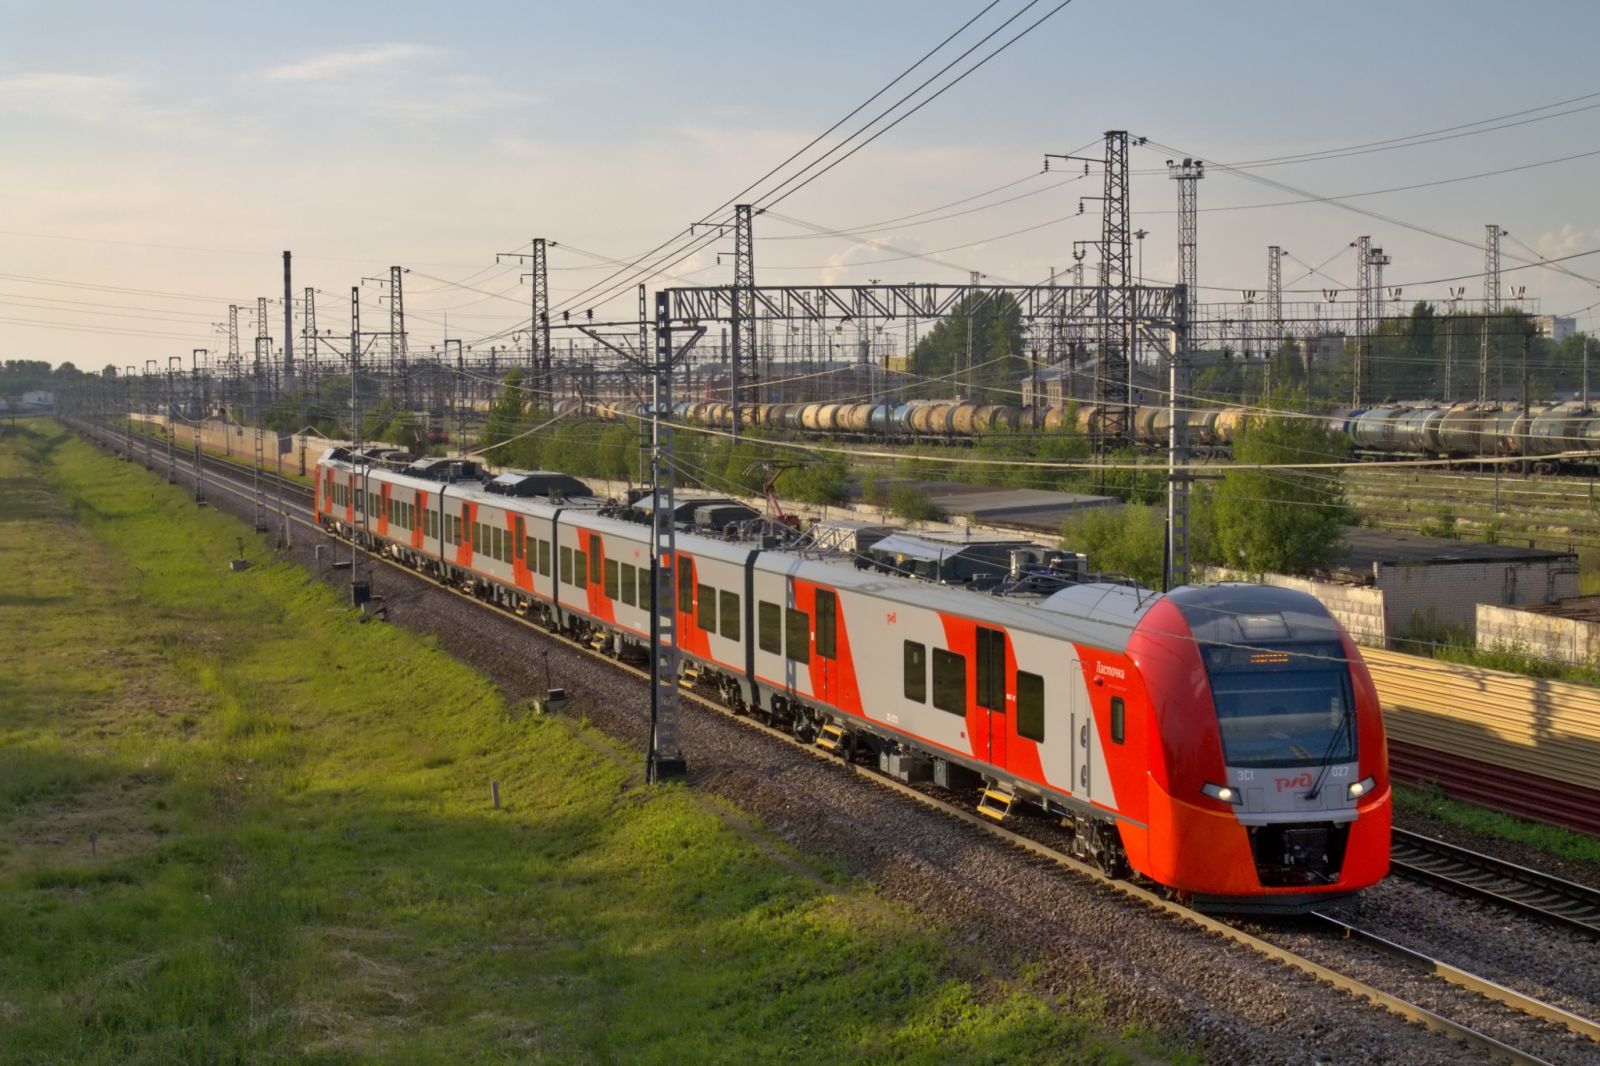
x,y
1274,294
1187,174
397,336
1363,247
1114,384
744,309
541,362
308,334
1491,303
261,336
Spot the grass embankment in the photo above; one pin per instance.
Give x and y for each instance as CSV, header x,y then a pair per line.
x,y
236,825
1550,839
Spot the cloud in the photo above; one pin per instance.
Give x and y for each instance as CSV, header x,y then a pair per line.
x,y
329,66
99,100
83,97
1565,241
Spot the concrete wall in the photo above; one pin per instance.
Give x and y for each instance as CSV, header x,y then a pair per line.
x,y
1361,610
1542,636
300,452
1428,596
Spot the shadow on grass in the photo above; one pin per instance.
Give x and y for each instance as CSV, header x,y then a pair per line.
x,y
355,924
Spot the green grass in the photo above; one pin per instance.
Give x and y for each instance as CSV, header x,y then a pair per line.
x,y
294,857
1565,843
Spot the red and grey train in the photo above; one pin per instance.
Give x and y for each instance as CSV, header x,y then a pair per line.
x,y
1224,741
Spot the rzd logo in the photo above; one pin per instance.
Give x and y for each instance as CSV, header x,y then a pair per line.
x,y
1303,781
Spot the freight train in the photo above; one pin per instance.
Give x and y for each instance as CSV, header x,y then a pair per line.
x,y
1223,741
1458,431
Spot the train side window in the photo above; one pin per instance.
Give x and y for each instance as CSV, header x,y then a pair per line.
x,y
730,615
530,552
1119,723
1030,706
645,578
544,558
949,681
594,562
769,624
611,579
580,569
629,582
827,625
499,543
706,616
991,669
916,664
566,565
797,635
685,586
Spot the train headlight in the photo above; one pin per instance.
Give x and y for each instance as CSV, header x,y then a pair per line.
x,y
1225,793
1362,787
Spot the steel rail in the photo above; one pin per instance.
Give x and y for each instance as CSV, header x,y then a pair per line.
x,y
1389,1002
1457,869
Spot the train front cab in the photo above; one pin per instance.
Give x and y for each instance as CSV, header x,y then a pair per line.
x,y
1269,784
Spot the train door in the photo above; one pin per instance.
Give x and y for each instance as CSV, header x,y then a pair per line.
x,y
826,674
991,692
1080,720
519,550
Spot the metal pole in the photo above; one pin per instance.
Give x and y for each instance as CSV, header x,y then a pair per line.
x,y
1585,372
1177,568
172,435
1522,445
288,327
665,759
360,591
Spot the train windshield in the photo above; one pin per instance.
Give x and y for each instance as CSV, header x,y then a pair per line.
x,y
1283,706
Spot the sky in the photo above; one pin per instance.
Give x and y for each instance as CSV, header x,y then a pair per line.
x,y
161,157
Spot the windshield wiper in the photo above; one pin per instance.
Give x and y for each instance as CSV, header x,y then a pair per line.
x,y
1346,721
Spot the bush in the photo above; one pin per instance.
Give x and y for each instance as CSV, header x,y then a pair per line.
x,y
1130,539
913,505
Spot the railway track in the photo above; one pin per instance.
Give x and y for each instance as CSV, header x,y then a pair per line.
x,y
239,481
1470,873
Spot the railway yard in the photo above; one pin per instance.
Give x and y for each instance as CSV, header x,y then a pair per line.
x,y
1427,971
516,548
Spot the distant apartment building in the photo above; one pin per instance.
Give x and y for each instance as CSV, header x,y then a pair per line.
x,y
1555,327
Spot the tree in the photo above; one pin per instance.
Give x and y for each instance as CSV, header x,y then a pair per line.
x,y
995,340
505,416
1284,521
1131,539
